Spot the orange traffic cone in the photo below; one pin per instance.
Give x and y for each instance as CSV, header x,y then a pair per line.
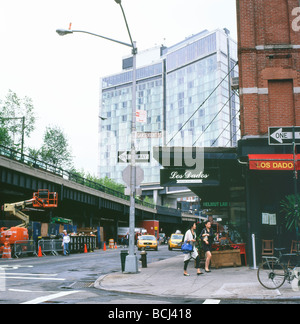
x,y
40,254
104,247
85,249
6,251
116,246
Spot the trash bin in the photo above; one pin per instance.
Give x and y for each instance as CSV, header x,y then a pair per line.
x,y
124,254
144,259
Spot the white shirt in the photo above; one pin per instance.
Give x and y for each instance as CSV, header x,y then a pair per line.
x,y
66,239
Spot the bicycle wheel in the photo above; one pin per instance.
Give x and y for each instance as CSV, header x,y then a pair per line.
x,y
271,275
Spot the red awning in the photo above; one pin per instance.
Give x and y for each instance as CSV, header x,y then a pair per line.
x,y
273,162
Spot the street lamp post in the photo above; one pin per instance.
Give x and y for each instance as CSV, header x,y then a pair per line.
x,y
131,264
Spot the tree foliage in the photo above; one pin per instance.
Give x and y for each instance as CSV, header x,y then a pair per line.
x,y
55,149
12,110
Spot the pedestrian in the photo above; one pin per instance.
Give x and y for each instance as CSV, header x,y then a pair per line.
x,y
66,242
127,239
190,237
207,237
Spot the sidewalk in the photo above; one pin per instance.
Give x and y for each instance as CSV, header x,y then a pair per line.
x,y
165,278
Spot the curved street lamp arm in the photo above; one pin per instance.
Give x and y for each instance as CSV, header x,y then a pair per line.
x,y
63,32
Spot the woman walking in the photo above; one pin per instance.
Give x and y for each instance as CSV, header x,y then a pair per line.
x,y
207,236
190,237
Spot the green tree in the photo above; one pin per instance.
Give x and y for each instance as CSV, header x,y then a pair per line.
x,y
55,148
4,136
12,109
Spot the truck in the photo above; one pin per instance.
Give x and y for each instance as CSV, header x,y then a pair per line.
x,y
41,199
123,231
151,226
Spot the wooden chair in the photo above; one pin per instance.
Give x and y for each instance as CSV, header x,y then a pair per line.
x,y
295,248
267,247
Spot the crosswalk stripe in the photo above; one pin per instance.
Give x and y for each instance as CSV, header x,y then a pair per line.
x,y
49,297
212,302
7,277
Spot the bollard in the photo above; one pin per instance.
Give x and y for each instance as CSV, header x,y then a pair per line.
x,y
254,252
144,259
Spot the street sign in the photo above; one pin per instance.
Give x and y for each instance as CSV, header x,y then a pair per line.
x,y
127,175
283,135
140,157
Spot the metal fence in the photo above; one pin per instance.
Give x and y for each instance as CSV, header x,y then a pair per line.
x,y
50,246
54,247
22,248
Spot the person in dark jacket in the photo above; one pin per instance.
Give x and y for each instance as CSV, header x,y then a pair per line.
x,y
207,237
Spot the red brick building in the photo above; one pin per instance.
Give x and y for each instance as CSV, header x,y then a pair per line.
x,y
269,63
269,86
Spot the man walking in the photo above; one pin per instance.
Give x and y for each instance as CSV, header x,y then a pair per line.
x,y
65,244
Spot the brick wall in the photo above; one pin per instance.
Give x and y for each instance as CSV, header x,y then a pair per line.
x,y
269,63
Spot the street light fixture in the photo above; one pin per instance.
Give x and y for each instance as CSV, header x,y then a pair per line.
x,y
131,264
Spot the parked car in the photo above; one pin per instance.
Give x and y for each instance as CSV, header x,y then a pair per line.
x,y
147,242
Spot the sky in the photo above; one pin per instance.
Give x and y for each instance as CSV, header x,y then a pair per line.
x,y
62,74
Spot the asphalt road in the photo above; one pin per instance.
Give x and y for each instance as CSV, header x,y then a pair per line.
x,y
59,279
69,280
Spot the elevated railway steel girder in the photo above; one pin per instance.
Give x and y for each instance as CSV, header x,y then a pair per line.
x,y
18,181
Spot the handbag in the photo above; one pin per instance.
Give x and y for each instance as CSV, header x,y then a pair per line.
x,y
186,247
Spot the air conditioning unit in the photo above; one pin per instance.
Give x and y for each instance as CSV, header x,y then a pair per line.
x,y
235,83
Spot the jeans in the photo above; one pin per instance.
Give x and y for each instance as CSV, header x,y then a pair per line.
x,y
66,249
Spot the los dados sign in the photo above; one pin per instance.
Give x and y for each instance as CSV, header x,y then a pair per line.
x,y
273,162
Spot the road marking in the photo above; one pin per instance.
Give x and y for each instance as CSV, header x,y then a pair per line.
x,y
13,267
29,274
49,297
30,278
212,302
28,291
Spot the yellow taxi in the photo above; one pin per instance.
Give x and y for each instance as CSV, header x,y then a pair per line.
x,y
175,241
147,242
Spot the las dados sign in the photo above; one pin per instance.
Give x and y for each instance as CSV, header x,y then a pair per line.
x,y
177,177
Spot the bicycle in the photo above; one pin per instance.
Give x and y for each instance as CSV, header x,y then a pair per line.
x,y
274,272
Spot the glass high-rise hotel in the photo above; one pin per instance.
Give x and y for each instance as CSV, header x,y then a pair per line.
x,y
185,99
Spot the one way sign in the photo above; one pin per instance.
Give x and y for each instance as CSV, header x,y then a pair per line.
x,y
284,135
140,157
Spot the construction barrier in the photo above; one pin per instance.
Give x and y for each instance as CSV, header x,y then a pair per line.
x,y
111,244
50,246
78,244
24,248
6,251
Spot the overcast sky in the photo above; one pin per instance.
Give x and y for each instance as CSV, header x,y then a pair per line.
x,y
61,74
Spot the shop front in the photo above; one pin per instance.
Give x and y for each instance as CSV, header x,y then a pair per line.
x,y
271,182
220,188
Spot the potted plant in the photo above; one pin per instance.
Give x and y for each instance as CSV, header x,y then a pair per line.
x,y
290,212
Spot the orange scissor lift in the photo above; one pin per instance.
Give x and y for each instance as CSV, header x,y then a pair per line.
x,y
8,236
